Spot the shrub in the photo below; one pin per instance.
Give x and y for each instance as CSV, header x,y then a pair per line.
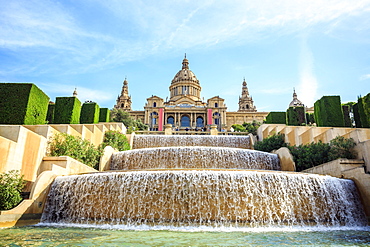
x,y
296,116
310,118
341,147
104,115
309,155
276,118
314,154
252,127
11,186
239,128
67,110
22,103
116,140
271,143
82,150
328,112
89,113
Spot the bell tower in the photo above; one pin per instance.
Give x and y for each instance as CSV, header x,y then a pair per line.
x,y
246,101
124,100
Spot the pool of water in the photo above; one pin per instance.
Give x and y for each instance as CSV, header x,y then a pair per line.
x,y
82,236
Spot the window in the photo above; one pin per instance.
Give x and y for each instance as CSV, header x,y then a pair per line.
x,y
200,122
155,104
185,121
170,120
216,104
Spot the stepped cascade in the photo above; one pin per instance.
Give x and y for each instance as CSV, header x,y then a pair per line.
x,y
202,186
153,141
194,158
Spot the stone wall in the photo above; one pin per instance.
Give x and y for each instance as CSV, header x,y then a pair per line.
x,y
297,135
23,147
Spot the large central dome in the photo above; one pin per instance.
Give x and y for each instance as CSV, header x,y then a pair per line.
x,y
185,85
185,74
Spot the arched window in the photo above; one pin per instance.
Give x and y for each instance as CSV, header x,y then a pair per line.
x,y
122,105
216,117
155,104
247,106
170,120
154,117
200,122
216,104
185,121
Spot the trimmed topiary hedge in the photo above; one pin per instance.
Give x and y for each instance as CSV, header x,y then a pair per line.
x,y
362,114
89,113
22,103
67,110
50,113
104,115
276,118
310,118
356,116
347,119
328,112
296,116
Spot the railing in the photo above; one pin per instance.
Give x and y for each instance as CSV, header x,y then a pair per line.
x,y
181,132
148,132
234,133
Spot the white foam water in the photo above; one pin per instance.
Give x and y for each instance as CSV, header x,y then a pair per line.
x,y
204,198
152,141
194,158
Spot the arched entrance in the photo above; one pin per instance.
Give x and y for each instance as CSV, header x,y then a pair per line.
x,y
185,121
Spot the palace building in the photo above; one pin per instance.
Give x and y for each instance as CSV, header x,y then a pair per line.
x,y
185,109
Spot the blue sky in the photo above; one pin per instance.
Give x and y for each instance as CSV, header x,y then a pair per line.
x,y
318,47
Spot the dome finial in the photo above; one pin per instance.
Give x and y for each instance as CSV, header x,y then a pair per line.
x,y
244,82
75,93
185,63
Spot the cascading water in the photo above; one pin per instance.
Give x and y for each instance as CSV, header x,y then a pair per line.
x,y
207,197
194,157
154,141
201,186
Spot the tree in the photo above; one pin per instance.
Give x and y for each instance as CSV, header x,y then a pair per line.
x,y
119,115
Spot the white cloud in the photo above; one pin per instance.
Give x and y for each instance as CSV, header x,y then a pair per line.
x,y
365,77
143,28
307,89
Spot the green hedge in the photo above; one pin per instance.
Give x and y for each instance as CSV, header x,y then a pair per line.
x,y
276,118
104,115
296,116
22,103
67,110
356,116
328,112
363,112
50,113
89,113
310,118
347,119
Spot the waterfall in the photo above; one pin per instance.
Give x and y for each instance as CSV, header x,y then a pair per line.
x,y
206,197
194,158
152,141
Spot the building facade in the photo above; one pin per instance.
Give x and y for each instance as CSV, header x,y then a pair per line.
x,y
185,109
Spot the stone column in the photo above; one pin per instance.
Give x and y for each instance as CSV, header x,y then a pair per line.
x,y
214,130
168,129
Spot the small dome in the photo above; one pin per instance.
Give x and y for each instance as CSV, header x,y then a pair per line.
x,y
295,102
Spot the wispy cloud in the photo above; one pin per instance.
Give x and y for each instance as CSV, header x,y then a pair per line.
x,y
365,77
136,29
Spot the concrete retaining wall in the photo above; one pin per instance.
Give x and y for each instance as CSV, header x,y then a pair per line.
x,y
23,147
349,169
